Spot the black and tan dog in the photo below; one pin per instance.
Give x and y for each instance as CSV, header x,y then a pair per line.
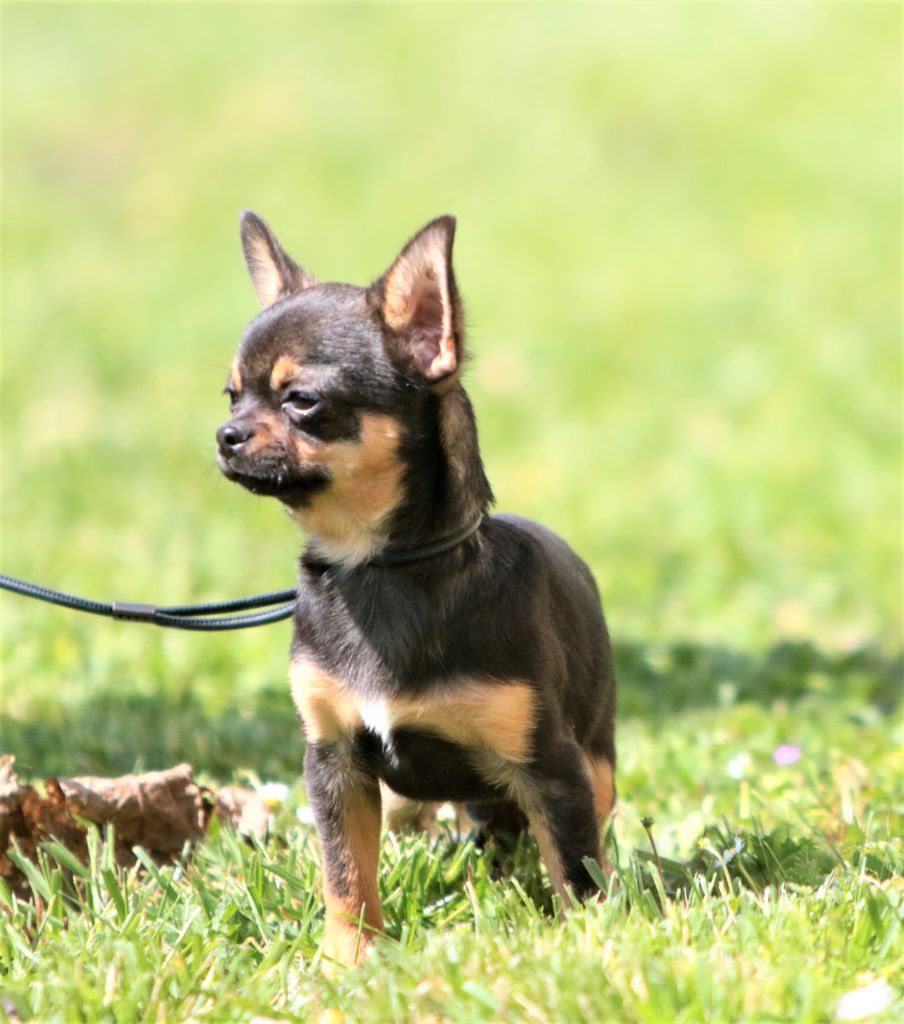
x,y
450,654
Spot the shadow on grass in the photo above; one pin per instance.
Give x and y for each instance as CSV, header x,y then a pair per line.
x,y
111,732
658,680
729,860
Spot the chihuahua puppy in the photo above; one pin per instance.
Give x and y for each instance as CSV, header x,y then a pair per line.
x,y
447,653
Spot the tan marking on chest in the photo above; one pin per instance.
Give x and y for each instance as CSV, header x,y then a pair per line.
x,y
495,716
326,710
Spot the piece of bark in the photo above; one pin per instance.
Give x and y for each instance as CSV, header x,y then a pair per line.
x,y
49,817
30,819
11,796
12,824
242,810
160,811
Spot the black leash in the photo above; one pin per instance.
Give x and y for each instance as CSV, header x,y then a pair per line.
x,y
177,617
187,616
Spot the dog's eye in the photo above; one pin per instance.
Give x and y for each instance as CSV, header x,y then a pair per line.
x,y
301,402
230,394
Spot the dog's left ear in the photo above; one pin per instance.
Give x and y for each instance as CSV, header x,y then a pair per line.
x,y
419,302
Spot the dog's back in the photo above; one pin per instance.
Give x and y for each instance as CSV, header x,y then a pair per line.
x,y
575,624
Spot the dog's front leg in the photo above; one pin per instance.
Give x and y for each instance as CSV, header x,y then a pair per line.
x,y
345,800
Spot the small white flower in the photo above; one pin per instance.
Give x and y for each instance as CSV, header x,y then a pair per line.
x,y
273,793
305,815
865,1001
738,765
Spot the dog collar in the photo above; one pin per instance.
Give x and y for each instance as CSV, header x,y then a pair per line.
x,y
406,556
403,556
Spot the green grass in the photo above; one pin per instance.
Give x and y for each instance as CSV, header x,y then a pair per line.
x,y
680,250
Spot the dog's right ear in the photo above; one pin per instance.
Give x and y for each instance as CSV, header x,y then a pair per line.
x,y
273,272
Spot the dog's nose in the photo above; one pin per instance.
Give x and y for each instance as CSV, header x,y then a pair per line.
x,y
231,436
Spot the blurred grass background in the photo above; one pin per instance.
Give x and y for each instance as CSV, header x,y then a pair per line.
x,y
679,246
680,249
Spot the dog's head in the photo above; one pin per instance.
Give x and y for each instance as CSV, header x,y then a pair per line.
x,y
329,381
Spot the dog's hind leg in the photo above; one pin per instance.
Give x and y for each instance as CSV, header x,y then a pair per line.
x,y
563,808
602,782
502,820
402,814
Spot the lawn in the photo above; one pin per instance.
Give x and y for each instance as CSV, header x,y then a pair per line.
x,y
679,246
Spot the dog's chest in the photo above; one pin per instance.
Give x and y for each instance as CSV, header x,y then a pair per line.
x,y
491,715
